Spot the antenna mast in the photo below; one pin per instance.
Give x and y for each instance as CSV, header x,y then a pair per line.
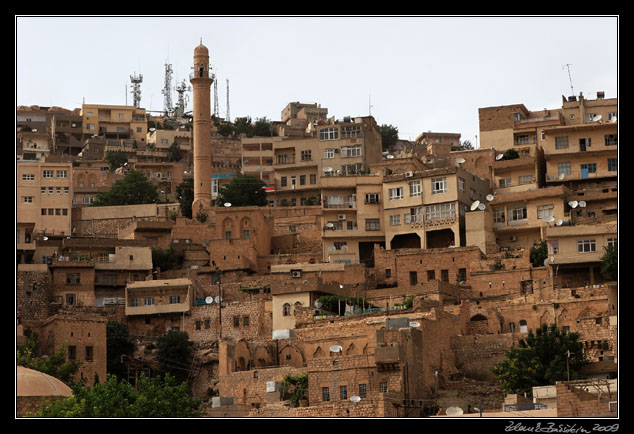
x,y
228,116
182,98
136,89
167,90
216,114
568,65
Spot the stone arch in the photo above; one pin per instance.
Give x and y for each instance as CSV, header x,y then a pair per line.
x,y
546,318
242,356
478,324
523,326
262,357
80,179
291,356
227,226
245,223
352,350
564,318
92,180
318,353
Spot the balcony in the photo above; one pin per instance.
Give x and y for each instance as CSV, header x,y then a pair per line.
x,y
345,205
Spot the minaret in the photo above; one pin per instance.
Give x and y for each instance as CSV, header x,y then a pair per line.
x,y
201,87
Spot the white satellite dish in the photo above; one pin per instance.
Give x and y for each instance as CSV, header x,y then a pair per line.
x,y
475,205
549,219
336,349
481,207
227,204
562,175
460,160
330,225
152,129
498,157
546,262
414,324
454,411
597,118
327,169
582,204
490,197
573,204
209,300
217,299
45,238
552,259
318,304
613,119
559,222
389,157
355,398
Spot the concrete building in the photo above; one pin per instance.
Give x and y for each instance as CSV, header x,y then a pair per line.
x,y
114,122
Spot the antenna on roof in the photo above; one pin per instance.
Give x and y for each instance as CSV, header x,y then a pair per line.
x,y
568,65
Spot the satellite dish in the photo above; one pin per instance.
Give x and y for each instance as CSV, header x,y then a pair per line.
x,y
327,169
152,129
481,207
227,204
498,157
460,160
336,349
209,300
318,304
546,262
552,259
355,398
414,324
389,157
613,119
597,118
45,238
330,225
73,125
490,197
475,205
454,411
573,204
559,222
217,299
549,219
582,203
562,176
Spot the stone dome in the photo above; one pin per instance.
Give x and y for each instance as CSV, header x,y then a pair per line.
x,y
201,50
35,383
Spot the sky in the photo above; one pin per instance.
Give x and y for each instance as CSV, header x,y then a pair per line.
x,y
423,73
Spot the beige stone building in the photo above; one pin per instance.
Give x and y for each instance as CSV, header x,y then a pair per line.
x,y
114,122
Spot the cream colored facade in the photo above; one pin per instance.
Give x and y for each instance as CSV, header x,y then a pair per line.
x,y
44,197
153,297
580,244
114,122
163,139
284,306
258,158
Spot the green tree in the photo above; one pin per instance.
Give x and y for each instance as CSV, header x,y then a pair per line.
x,y
243,191
185,196
226,129
389,136
116,159
511,154
118,344
243,125
262,127
56,365
539,253
466,145
610,263
298,388
155,398
174,153
174,353
133,189
541,359
167,259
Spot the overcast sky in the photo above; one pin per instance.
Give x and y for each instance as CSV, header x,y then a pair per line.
x,y
418,73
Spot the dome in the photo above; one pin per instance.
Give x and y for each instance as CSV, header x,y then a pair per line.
x,y
36,383
201,50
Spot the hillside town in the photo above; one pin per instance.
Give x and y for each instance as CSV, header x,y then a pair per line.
x,y
389,280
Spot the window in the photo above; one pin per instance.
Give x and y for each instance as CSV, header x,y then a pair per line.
x,y
283,181
340,245
372,224
352,169
306,155
413,278
227,235
396,193
545,211
325,394
214,186
28,177
89,353
438,185
286,309
335,201
134,302
553,246
444,275
590,167
236,321
517,212
329,153
395,219
612,164
72,352
440,211
505,182
174,299
584,246
612,117
47,174
612,242
28,199
351,132
561,142
498,215
563,168
302,179
351,225
72,279
372,198
461,184
148,301
462,275
207,324
351,151
71,299
431,275
329,134
197,325
415,189
343,392
527,179
383,387
363,390
62,174
313,178
245,321
388,272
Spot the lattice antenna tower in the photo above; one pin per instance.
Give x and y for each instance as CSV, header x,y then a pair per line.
x,y
182,98
167,90
568,65
136,89
216,110
228,116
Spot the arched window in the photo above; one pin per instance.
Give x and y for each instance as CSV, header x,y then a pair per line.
x,y
286,309
523,326
297,304
512,327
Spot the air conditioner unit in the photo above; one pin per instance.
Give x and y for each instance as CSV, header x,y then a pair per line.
x,y
513,238
409,174
296,273
341,217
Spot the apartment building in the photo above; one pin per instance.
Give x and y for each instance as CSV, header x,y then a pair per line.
x,y
257,158
163,139
345,147
89,179
44,199
62,127
114,122
426,209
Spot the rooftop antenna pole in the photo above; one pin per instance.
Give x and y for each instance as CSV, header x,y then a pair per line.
x,y
136,89
228,116
216,110
370,105
568,65
167,90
